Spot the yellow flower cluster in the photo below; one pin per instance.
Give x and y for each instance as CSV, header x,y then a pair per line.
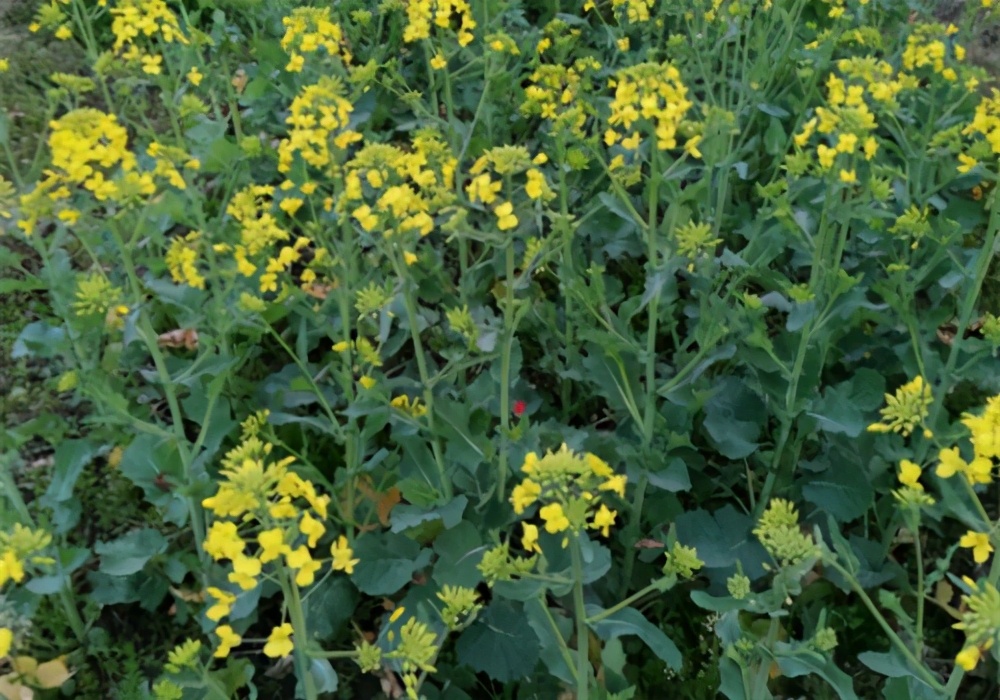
x,y
558,93
318,114
985,438
845,126
182,260
20,548
980,620
725,10
905,410
649,97
911,493
399,191
266,513
88,149
451,15
926,48
986,122
571,489
307,29
152,19
506,162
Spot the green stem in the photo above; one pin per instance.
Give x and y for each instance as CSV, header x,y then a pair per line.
x,y
655,586
149,335
563,649
301,635
418,351
918,550
915,664
580,615
508,344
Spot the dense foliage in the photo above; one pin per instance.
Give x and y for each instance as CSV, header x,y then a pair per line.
x,y
487,348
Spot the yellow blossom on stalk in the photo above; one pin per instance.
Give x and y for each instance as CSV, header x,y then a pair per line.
x,y
272,543
979,543
529,537
223,603
303,564
425,16
245,572
966,163
653,94
950,462
506,219
227,640
571,489
560,94
439,62
223,541
343,556
524,494
279,642
22,546
308,29
414,409
6,641
318,116
980,620
4,65
182,259
985,429
904,410
986,121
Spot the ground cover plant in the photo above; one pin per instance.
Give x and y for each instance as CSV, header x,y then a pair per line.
x,y
474,348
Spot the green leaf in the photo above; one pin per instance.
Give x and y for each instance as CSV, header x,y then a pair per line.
x,y
731,680
844,491
499,644
388,562
629,621
890,664
406,516
130,552
459,551
68,462
38,339
803,663
674,478
734,416
329,605
538,617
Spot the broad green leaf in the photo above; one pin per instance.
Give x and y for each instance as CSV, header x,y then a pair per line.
x,y
407,516
130,552
803,663
734,417
68,462
388,562
629,621
843,491
499,644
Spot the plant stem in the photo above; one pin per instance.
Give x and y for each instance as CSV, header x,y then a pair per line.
x,y
508,344
418,351
651,588
915,664
580,615
300,633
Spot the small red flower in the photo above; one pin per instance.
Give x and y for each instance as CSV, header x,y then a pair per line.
x,y
519,407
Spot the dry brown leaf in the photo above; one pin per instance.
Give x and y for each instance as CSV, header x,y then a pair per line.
x,y
186,338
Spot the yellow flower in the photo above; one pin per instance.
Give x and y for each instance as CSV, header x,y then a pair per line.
x,y
296,63
524,494
224,603
6,641
604,518
968,657
529,540
967,163
279,642
342,346
4,65
194,76
616,484
227,640
367,382
311,528
554,517
505,216
272,544
223,542
409,258
439,61
342,556
979,543
304,565
245,572
64,33
909,474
